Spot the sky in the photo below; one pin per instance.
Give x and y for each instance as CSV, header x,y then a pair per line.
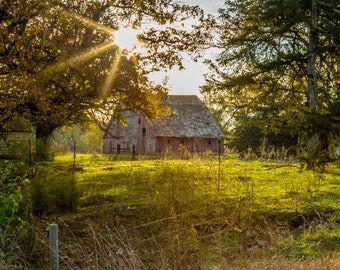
x,y
188,81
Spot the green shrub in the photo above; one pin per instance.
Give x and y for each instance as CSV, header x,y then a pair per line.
x,y
64,195
57,195
43,151
9,206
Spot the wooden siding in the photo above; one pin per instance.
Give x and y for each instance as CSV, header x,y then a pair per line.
x,y
194,145
15,144
138,132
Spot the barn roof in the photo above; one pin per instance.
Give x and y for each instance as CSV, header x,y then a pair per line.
x,y
189,117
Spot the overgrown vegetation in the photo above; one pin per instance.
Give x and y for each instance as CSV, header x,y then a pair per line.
x,y
16,232
186,214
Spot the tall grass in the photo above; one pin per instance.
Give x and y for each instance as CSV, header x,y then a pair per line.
x,y
199,214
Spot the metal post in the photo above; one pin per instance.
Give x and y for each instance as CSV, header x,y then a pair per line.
x,y
53,234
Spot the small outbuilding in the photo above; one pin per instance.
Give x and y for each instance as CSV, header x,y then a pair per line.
x,y
15,143
190,127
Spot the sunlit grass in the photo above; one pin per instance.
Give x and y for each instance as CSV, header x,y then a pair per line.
x,y
228,213
262,184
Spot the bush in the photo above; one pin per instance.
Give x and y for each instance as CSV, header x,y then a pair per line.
x,y
43,151
64,195
57,195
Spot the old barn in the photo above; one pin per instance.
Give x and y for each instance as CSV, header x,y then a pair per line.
x,y
190,126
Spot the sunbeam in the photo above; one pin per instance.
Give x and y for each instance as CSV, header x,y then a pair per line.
x,y
112,73
82,57
89,23
122,39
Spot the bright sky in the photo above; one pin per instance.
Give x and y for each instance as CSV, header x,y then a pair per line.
x,y
187,82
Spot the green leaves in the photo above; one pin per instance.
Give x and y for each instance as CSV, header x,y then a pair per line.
x,y
59,65
9,206
278,53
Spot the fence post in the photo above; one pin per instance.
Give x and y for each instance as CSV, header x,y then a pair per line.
x,y
54,258
133,151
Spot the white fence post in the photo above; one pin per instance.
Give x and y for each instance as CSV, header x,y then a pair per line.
x,y
54,258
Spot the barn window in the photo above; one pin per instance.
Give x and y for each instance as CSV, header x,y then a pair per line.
x,y
209,142
168,140
139,121
182,140
144,131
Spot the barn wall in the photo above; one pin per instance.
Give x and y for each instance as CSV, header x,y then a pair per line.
x,y
118,134
146,142
138,132
111,145
203,145
142,134
168,145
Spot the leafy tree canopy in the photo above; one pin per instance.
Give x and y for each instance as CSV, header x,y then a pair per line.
x,y
281,54
59,63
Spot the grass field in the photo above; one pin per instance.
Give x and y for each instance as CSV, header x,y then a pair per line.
x,y
198,213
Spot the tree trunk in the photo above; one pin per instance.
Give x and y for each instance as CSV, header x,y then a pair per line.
x,y
312,95
43,134
314,151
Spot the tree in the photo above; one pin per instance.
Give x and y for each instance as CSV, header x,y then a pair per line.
x,y
59,64
284,54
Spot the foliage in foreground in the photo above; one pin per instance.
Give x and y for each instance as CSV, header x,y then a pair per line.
x,y
15,231
191,214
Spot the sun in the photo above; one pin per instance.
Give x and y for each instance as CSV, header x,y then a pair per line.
x,y
126,38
